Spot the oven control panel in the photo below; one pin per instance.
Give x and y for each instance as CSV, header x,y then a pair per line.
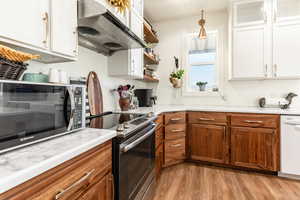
x,y
79,115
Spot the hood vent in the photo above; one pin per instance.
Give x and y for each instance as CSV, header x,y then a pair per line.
x,y
100,31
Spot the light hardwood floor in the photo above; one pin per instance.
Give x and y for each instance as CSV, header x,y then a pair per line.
x,y
195,182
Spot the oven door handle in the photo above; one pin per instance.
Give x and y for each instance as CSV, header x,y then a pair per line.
x,y
72,99
138,141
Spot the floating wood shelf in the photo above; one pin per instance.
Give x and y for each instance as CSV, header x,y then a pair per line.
x,y
150,79
150,60
149,36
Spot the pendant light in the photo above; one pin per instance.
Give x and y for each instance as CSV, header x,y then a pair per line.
x,y
202,34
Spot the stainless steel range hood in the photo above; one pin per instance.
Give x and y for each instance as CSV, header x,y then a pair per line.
x,y
101,31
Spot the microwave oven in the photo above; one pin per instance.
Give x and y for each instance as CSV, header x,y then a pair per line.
x,y
33,112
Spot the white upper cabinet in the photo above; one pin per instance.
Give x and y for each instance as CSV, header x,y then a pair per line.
x,y
286,10
25,22
137,59
265,44
138,7
249,13
136,24
64,27
286,48
249,53
44,27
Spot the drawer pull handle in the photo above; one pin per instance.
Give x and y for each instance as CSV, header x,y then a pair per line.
x,y
206,119
253,121
74,185
176,119
177,130
176,145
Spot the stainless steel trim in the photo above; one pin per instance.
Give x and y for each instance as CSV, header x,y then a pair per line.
x,y
147,191
62,192
176,145
46,21
72,99
40,140
177,130
253,121
275,70
266,70
175,119
32,83
206,119
138,141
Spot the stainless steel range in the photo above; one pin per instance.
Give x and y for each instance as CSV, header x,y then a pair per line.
x,y
133,154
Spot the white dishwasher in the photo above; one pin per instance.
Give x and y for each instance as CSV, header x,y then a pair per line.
x,y
290,146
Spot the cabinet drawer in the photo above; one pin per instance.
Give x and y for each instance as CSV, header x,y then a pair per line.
x,y
250,120
69,180
175,118
174,151
159,121
175,131
159,134
207,118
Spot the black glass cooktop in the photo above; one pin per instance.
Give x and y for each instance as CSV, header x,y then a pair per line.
x,y
111,120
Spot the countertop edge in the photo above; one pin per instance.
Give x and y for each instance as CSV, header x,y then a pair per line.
x,y
36,170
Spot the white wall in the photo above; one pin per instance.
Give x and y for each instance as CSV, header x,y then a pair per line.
x,y
90,61
237,93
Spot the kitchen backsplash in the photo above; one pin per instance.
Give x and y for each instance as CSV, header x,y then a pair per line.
x,y
90,61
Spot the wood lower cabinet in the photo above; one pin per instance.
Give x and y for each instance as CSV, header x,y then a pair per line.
x,y
103,190
174,151
87,176
159,160
208,143
254,148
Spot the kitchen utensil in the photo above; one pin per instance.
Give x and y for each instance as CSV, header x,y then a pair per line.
x,y
95,99
36,77
54,76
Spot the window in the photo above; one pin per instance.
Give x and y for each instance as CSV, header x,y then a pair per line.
x,y
202,64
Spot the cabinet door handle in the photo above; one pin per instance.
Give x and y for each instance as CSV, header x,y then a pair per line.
x,y
206,119
46,22
176,145
76,44
275,70
177,130
176,119
74,185
253,121
266,70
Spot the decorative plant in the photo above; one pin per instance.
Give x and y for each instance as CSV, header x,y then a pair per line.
x,y
178,74
201,85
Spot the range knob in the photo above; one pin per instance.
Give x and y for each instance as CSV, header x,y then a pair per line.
x,y
126,125
120,128
150,114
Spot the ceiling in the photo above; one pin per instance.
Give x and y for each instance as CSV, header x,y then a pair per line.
x,y
161,10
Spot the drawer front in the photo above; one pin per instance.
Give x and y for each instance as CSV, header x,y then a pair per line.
x,y
207,118
159,121
175,118
174,151
159,134
175,131
251,120
69,180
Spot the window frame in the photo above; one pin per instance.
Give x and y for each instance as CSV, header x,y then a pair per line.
x,y
186,91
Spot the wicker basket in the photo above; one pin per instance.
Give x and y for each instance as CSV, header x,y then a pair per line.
x,y
11,70
12,64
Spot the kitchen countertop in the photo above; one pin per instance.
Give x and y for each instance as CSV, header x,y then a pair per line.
x,y
236,109
22,164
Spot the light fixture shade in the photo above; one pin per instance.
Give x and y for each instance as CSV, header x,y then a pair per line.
x,y
202,34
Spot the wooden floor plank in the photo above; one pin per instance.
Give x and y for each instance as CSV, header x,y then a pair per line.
x,y
189,181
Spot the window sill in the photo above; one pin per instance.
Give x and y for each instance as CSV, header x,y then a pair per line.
x,y
201,94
